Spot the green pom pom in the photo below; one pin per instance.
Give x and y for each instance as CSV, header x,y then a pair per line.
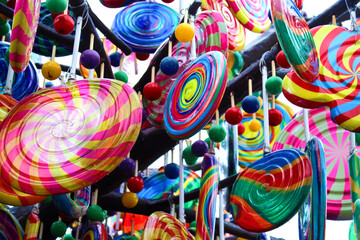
x,y
95,213
3,21
189,157
68,237
207,140
58,229
5,29
217,133
56,6
47,200
273,85
121,76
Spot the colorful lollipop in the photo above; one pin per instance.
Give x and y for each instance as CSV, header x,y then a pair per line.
x,y
143,26
271,190
10,228
94,231
354,164
88,128
32,225
295,39
196,95
336,146
24,26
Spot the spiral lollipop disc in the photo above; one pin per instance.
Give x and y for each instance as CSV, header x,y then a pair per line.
x,y
271,190
10,228
62,139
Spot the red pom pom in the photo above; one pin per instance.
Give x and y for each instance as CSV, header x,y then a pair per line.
x,y
64,24
241,128
275,117
281,60
54,15
142,56
299,3
152,91
167,1
233,115
135,184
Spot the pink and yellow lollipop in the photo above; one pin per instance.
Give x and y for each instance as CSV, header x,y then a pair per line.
x,y
32,225
25,22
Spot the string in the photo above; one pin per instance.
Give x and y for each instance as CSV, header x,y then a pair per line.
x,y
85,15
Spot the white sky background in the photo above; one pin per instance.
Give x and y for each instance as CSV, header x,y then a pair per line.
x,y
335,230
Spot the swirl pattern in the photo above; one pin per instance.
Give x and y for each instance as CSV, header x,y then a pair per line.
x,y
10,228
195,96
210,35
62,139
94,231
253,14
295,39
336,144
271,190
32,226
143,26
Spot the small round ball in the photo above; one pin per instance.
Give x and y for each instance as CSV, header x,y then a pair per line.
x,y
207,140
54,15
49,84
51,70
142,56
135,184
3,21
169,66
281,60
299,3
233,115
95,213
189,157
171,171
5,29
241,128
275,117
90,59
199,148
217,133
167,1
273,85
68,237
47,200
115,59
184,32
129,199
254,125
58,229
64,24
152,91
56,6
250,104
127,167
121,76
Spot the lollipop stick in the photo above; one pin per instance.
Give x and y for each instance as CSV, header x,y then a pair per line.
x,y
135,65
273,69
132,226
193,43
232,99
94,197
102,67
333,18
352,143
172,155
221,213
67,6
181,184
306,125
273,101
136,168
41,230
186,15
9,80
76,47
91,46
267,148
3,38
250,86
78,229
217,117
121,63
153,74
170,48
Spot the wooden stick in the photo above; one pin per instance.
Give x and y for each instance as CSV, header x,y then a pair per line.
x,y
333,18
92,36
136,167
41,230
186,16
95,197
78,229
147,172
200,135
172,155
102,68
170,49
273,69
250,86
53,53
273,101
67,6
3,38
153,74
217,117
121,62
232,99
132,226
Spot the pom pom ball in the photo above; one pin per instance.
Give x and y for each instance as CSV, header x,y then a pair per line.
x,y
184,32
281,60
5,29
47,200
189,157
115,59
49,84
250,104
121,76
127,167
299,3
233,115
217,133
90,59
169,66
254,125
68,237
273,85
152,91
58,228
3,21
51,70
142,56
135,184
129,199
64,24
167,1
56,6
199,148
171,171
275,117
241,128
95,213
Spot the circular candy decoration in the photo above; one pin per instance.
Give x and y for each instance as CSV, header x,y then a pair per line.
x,y
24,26
253,14
94,231
6,104
271,190
195,96
235,63
210,35
143,26
10,228
295,39
336,144
73,136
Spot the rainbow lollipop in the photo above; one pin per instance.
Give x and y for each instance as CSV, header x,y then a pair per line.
x,y
295,39
10,228
336,146
195,96
271,190
62,139
94,231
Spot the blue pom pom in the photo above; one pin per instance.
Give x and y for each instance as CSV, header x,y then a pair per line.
x,y
250,104
169,66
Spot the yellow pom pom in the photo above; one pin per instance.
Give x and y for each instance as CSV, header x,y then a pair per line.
x,y
51,70
254,125
184,32
129,199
